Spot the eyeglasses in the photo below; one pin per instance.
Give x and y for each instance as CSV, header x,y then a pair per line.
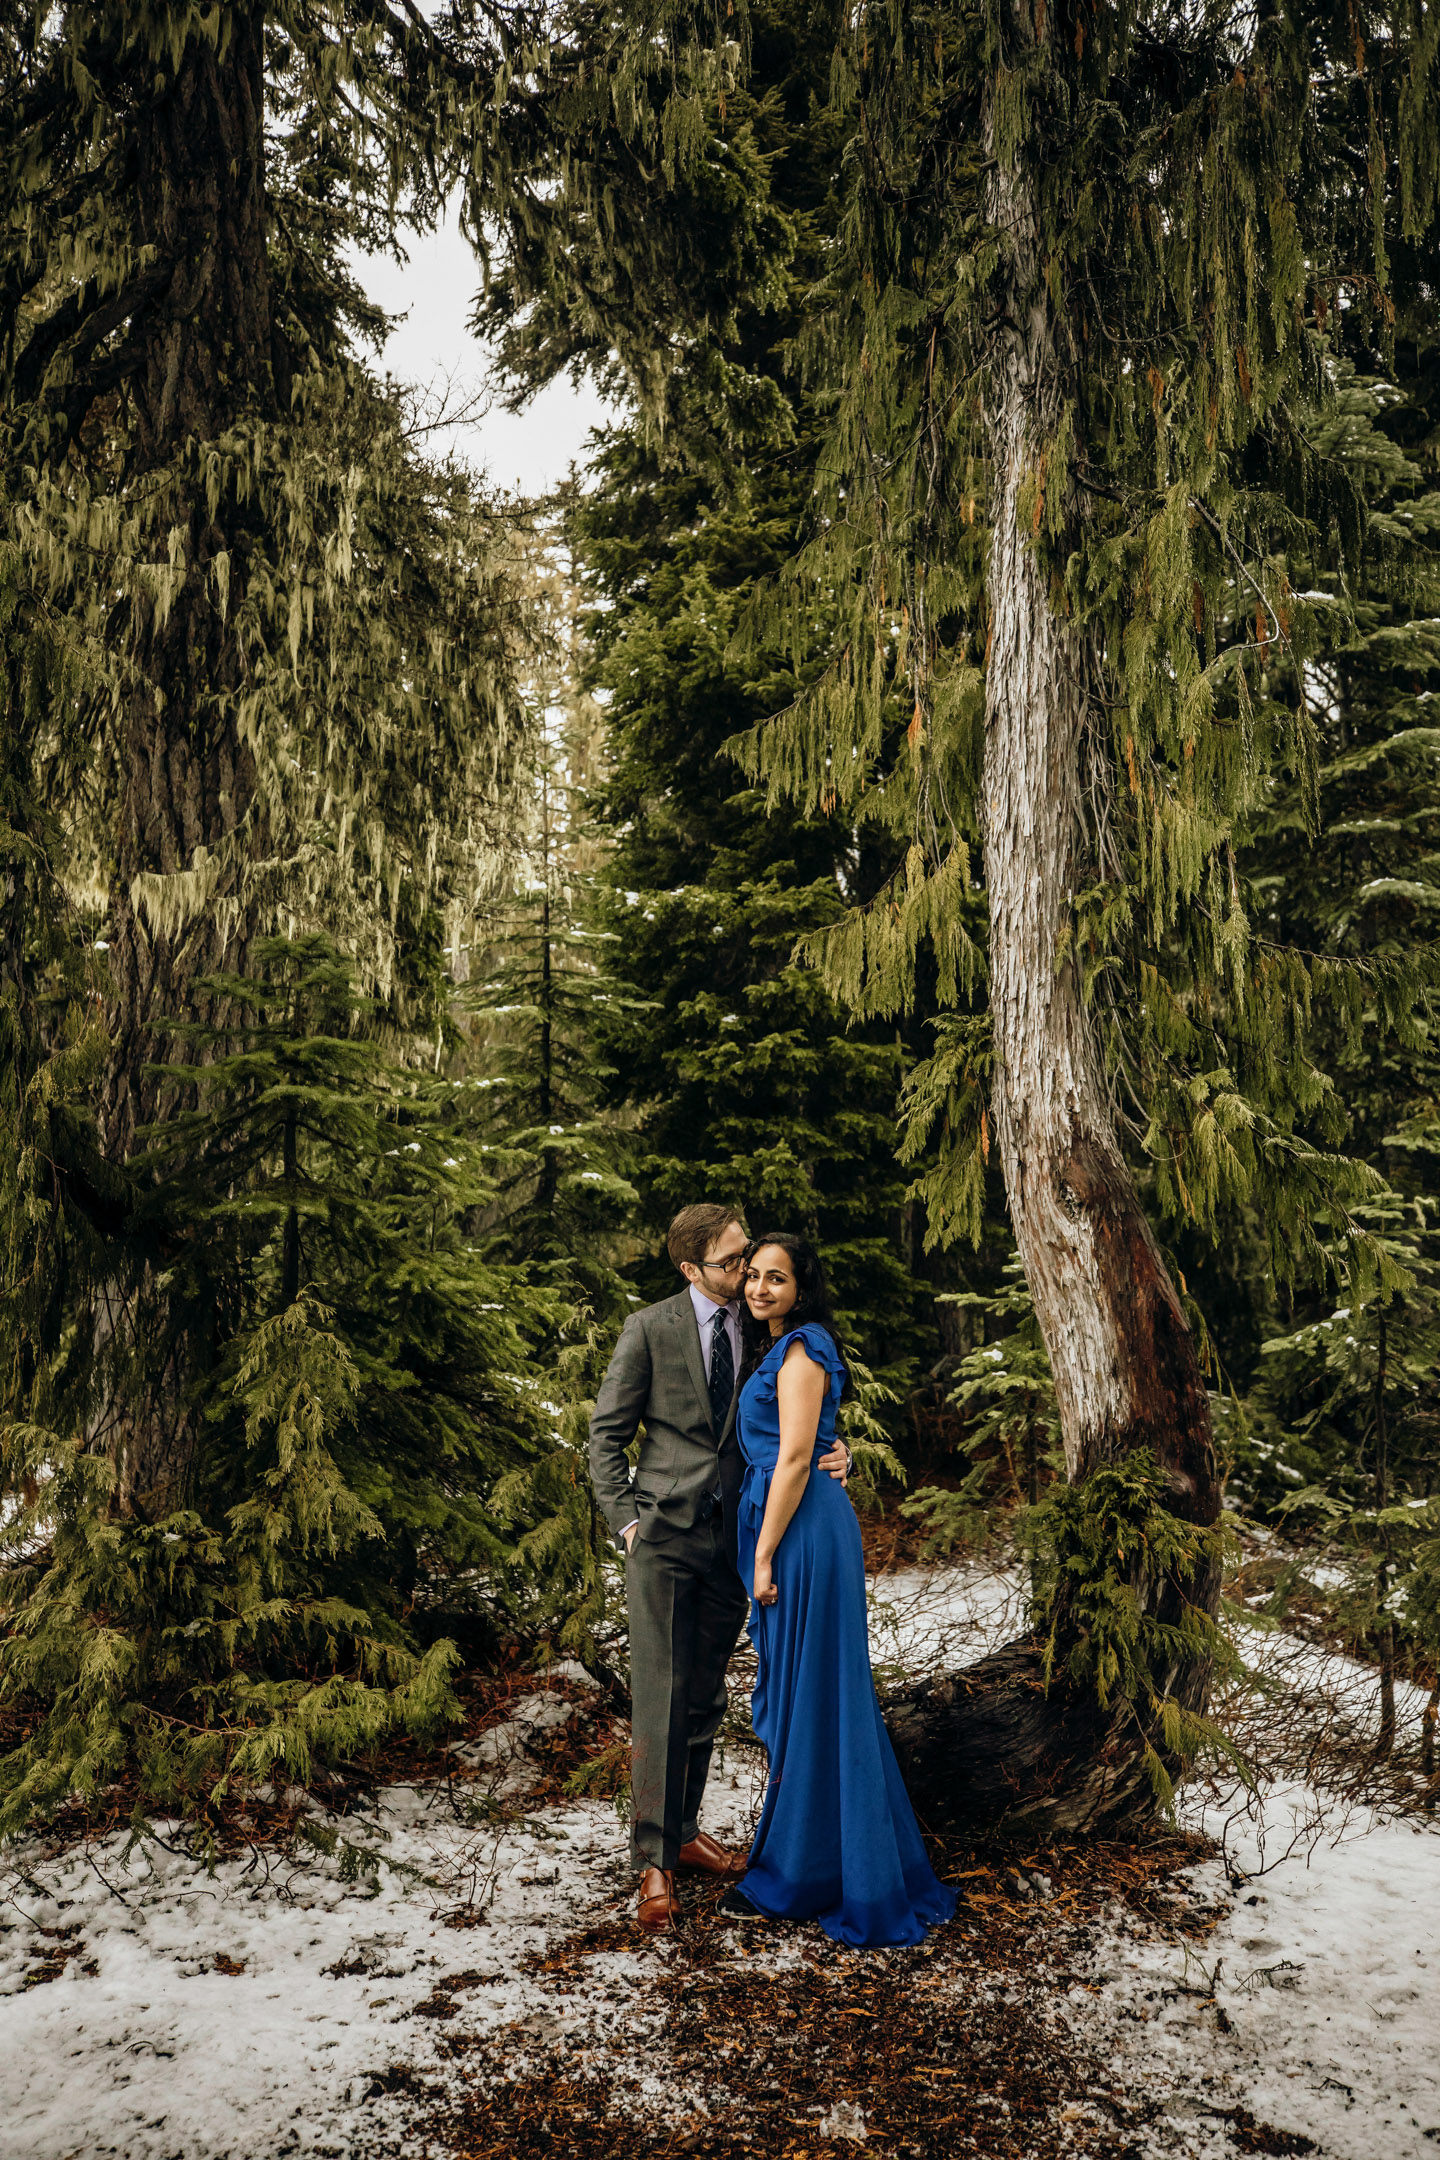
x,y
728,1265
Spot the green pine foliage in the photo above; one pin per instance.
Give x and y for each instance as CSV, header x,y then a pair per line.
x,y
1366,883
1183,483
544,985
297,709
525,1056
350,612
742,1073
1105,1555
1005,1396
53,1044
1341,1447
365,1393
260,680
1338,1442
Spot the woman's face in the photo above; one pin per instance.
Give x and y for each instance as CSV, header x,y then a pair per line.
x,y
770,1285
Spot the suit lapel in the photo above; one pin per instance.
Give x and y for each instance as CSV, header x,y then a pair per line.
x,y
682,1318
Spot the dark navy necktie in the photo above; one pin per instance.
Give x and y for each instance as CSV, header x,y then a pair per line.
x,y
722,1371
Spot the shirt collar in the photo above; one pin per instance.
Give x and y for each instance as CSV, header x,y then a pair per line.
x,y
706,1308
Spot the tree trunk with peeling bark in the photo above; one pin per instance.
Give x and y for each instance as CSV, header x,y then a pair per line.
x,y
991,1744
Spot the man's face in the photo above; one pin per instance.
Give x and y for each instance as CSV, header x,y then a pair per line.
x,y
718,1274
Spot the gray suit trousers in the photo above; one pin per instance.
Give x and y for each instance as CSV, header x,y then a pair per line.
x,y
687,1606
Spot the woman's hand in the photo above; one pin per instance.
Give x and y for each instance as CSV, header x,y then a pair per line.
x,y
765,1591
838,1461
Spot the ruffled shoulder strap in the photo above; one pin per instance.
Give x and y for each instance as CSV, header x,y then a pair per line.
x,y
817,1340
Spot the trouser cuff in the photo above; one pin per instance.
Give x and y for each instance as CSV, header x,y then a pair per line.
x,y
639,1861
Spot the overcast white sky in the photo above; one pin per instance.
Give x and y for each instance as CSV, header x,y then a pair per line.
x,y
530,451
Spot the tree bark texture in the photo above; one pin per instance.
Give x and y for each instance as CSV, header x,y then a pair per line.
x,y
991,1742
189,779
189,811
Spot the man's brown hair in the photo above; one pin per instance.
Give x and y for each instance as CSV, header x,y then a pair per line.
x,y
695,1230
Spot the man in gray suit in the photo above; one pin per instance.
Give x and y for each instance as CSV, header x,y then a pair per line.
x,y
674,1372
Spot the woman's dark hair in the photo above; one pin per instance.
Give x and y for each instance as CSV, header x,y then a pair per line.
x,y
812,1303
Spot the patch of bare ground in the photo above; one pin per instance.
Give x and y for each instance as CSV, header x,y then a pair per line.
x,y
732,2038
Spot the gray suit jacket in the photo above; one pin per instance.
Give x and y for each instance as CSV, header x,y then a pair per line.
x,y
657,1379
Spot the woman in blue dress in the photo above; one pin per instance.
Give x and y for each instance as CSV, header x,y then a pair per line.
x,y
837,1840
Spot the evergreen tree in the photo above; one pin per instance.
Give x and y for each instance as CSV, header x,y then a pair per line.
x,y
526,1055
274,692
1346,1402
743,1075
543,993
363,1393
302,703
1339,1439
1010,1431
1076,324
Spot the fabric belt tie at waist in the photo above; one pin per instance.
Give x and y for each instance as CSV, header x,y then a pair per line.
x,y
755,1490
754,1493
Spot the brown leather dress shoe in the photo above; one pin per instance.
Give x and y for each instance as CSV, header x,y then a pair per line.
x,y
702,1856
659,1906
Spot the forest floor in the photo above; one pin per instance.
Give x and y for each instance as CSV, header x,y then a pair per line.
x,y
444,1962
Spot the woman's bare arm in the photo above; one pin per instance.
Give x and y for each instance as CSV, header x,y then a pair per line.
x,y
800,1395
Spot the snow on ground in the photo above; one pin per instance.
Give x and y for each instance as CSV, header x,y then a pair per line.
x,y
250,2008
1326,1970
156,2008
1315,2003
259,2006
926,1620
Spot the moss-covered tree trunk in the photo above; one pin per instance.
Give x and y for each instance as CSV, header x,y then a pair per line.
x,y
189,821
991,1742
